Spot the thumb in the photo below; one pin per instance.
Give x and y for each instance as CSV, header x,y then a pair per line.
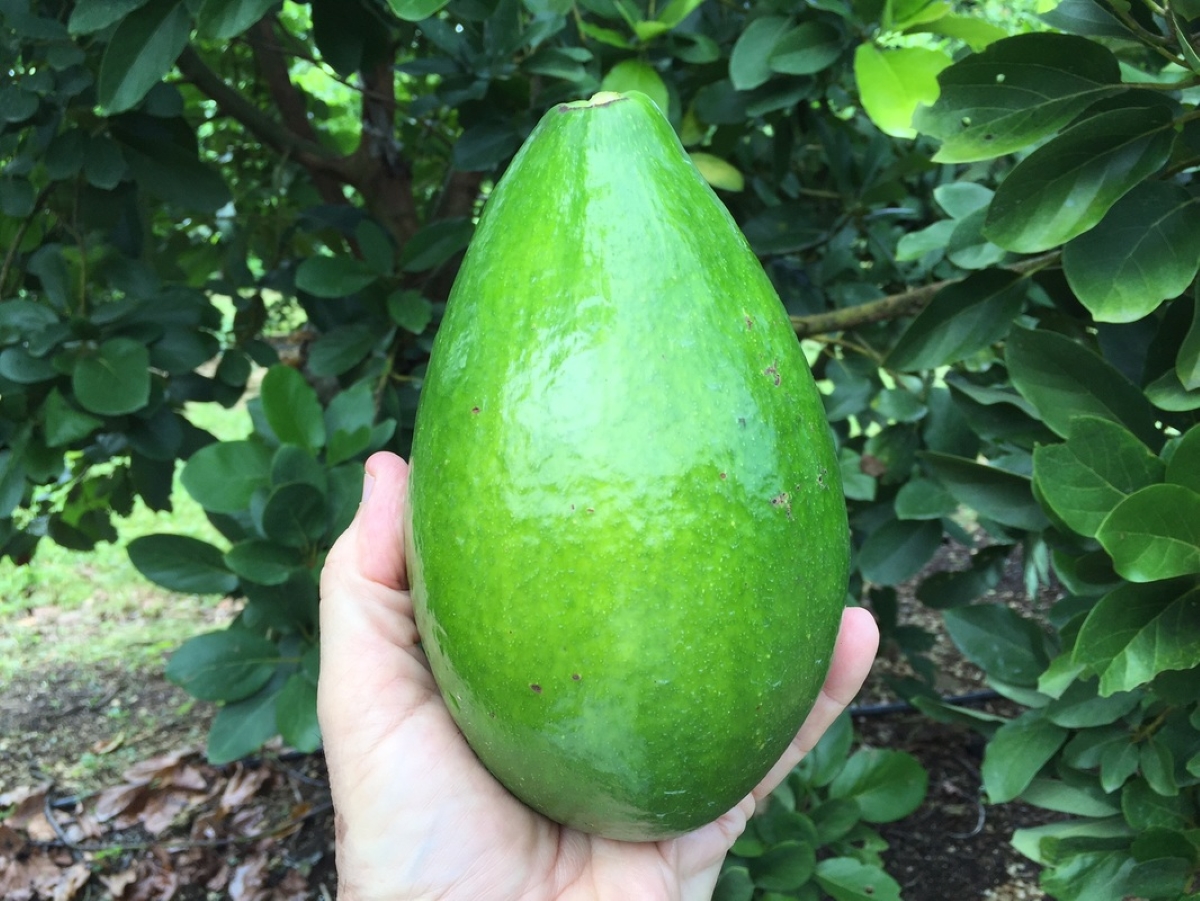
x,y
368,634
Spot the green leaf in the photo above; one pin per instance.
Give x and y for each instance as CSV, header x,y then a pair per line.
x,y
1145,250
975,33
224,19
921,498
160,154
341,349
1066,186
416,10
223,476
1080,707
749,61
89,16
734,884
410,311
1187,363
1137,631
264,562
1146,809
223,666
1184,466
296,714
295,515
893,82
292,409
436,243
784,867
635,75
897,550
241,728
479,148
181,563
846,879
64,424
333,277
953,589
1154,533
810,47
717,172
1063,380
1158,767
823,763
1100,465
999,495
887,785
1051,794
1017,752
18,365
142,50
1016,92
963,318
1000,641
113,380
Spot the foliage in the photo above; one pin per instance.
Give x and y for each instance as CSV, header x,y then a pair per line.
x,y
813,837
985,227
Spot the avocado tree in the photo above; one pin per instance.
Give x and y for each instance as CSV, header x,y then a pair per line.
x,y
982,219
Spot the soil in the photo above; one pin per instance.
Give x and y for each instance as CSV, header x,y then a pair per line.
x,y
107,794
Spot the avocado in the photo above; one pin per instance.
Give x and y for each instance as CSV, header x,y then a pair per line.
x,y
627,542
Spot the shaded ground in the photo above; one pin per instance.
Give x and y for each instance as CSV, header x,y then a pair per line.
x,y
109,797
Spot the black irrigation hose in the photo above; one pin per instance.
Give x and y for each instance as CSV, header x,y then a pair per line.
x,y
963,700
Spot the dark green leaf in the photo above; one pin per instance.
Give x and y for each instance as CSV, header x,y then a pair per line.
x,y
887,785
1064,379
341,349
999,495
292,409
954,589
241,728
410,311
999,641
296,714
435,244
415,10
223,666
808,48
114,379
224,19
897,550
142,50
295,515
1145,250
1146,809
482,147
962,318
181,563
333,277
749,62
223,476
784,867
923,499
1154,533
1087,800
734,884
1101,464
1066,186
18,365
1016,754
847,879
1080,707
264,562
1184,466
89,16
635,75
64,424
1016,92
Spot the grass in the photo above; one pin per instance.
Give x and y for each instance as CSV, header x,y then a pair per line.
x,y
91,608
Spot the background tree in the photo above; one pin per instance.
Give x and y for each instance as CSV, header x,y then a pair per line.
x,y
983,221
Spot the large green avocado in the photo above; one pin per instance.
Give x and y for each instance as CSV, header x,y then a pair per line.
x,y
628,546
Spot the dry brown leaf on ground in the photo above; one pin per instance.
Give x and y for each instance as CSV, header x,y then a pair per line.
x,y
116,883
70,881
249,878
243,785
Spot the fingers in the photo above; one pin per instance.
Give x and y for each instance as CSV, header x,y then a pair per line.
x,y
857,642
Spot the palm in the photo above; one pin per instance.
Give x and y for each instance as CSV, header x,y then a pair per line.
x,y
419,815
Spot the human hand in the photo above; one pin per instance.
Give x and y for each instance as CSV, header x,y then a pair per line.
x,y
418,816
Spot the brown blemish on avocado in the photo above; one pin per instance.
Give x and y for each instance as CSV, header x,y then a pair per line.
x,y
749,324
475,410
783,500
773,372
722,475
535,688
576,676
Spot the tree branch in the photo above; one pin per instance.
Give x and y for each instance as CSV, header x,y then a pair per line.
x,y
274,134
894,306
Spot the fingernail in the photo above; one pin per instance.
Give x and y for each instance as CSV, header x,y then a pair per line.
x,y
368,484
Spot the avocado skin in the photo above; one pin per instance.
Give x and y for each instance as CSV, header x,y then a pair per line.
x,y
627,542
